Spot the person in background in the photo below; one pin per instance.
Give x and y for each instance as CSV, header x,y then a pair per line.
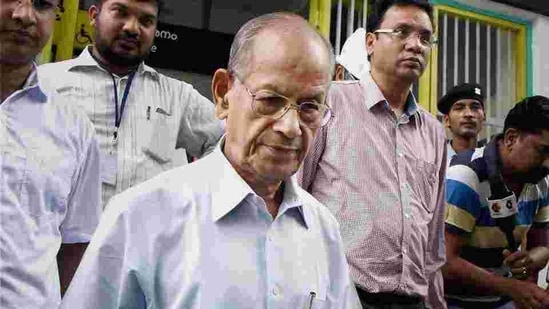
x,y
50,199
233,230
146,122
463,109
352,63
379,165
497,199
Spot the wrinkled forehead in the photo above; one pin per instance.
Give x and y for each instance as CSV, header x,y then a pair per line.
x,y
294,52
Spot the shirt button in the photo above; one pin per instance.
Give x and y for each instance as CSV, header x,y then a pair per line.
x,y
269,238
276,290
407,215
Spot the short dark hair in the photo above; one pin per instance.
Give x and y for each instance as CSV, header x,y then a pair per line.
x,y
530,115
380,7
159,4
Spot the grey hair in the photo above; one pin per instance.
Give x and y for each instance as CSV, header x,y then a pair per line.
x,y
243,41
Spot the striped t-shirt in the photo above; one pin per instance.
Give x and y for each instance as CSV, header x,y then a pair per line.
x,y
467,212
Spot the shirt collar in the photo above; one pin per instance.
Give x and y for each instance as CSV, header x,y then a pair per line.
x,y
451,150
491,154
230,189
374,96
33,86
85,59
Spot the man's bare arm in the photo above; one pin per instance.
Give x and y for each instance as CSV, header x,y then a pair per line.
x,y
459,271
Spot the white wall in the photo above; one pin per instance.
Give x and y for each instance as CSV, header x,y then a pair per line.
x,y
540,48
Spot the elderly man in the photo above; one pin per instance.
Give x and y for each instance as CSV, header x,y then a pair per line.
x,y
232,230
379,165
498,198
49,168
463,109
146,122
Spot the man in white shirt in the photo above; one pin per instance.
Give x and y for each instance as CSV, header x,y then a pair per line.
x,y
146,122
233,230
49,168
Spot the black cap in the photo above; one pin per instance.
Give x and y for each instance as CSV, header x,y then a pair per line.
x,y
463,91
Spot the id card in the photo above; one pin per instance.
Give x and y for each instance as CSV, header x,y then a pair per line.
x,y
504,207
109,168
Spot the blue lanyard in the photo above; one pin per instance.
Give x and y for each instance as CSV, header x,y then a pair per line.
x,y
118,115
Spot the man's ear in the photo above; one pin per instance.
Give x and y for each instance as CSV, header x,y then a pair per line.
x,y
93,12
370,40
446,121
510,138
220,91
339,70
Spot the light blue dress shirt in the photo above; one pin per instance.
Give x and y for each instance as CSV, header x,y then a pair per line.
x,y
50,192
199,237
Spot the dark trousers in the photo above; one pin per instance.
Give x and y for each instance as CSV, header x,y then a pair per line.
x,y
389,300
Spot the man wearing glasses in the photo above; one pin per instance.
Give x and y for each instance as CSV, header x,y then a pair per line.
x,y
49,168
379,165
232,230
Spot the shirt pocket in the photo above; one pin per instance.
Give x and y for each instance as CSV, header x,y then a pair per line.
x,y
13,170
48,182
160,144
39,184
310,301
424,183
316,287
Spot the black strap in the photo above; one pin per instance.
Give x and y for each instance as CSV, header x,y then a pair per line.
x,y
498,190
118,115
384,298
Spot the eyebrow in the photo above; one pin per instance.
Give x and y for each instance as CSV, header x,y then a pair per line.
x,y
406,25
118,4
316,91
125,7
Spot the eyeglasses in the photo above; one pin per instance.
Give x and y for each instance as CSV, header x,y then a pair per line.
x,y
426,38
273,105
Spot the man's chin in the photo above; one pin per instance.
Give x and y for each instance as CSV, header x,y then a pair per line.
x,y
18,55
468,133
123,58
277,172
410,75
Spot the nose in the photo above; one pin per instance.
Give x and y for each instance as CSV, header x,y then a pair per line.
x,y
131,25
413,42
468,112
288,124
24,12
